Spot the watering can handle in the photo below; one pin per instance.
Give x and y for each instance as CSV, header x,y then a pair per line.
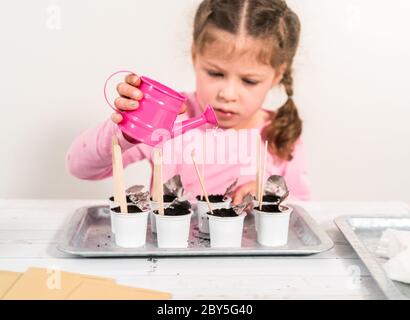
x,y
106,84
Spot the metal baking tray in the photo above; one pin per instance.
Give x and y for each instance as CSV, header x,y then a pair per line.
x,y
89,235
364,234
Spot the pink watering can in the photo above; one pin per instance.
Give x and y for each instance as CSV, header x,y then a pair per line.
x,y
153,122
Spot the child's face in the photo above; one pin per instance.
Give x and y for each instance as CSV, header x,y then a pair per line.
x,y
235,85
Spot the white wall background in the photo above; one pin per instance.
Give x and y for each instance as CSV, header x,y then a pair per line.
x,y
351,88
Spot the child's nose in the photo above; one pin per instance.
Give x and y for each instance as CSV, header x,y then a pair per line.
x,y
228,93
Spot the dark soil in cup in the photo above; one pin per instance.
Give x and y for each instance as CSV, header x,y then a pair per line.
x,y
270,208
270,198
213,198
131,209
174,212
128,199
168,198
224,213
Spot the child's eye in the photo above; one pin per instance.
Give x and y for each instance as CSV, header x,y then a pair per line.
x,y
250,82
215,74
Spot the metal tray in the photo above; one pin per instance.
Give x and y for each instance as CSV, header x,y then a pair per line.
x,y
364,234
89,235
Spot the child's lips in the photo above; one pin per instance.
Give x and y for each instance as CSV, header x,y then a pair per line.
x,y
225,113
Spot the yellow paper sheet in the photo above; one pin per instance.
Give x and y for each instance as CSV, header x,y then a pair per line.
x,y
43,284
106,291
7,280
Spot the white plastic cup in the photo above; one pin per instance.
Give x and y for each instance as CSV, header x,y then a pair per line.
x,y
273,227
203,209
130,229
112,221
173,231
154,207
255,205
226,232
112,205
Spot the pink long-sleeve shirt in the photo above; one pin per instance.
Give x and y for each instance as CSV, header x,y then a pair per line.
x,y
229,155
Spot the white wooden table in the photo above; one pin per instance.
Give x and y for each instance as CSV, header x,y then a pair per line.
x,y
29,232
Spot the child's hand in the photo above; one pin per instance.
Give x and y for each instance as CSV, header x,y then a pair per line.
x,y
129,97
243,190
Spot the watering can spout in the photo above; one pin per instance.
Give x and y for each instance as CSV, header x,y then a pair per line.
x,y
208,116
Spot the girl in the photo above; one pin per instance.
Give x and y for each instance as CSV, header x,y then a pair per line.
x,y
241,49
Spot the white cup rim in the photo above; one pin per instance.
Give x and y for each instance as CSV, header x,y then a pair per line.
x,y
174,217
130,215
288,210
242,216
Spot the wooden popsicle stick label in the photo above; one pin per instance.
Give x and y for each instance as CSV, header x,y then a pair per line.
x,y
262,188
258,164
118,175
160,185
201,181
158,188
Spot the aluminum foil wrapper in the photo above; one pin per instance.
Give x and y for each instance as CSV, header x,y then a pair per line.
x,y
230,190
246,202
276,186
134,190
141,200
181,203
174,187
